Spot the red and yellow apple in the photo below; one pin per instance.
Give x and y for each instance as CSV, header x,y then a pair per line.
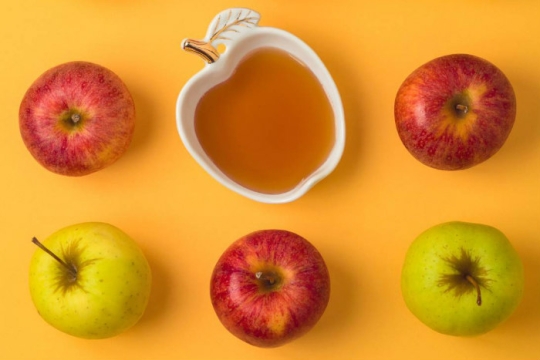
x,y
270,287
77,118
455,111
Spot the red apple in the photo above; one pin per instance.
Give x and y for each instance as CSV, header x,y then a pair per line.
x,y
77,118
270,287
455,111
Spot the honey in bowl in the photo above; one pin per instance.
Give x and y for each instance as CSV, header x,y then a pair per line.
x,y
269,125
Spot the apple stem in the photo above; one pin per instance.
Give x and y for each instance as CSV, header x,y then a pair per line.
x,y
270,278
477,287
462,108
71,269
75,118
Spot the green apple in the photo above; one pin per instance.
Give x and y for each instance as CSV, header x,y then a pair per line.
x,y
90,280
462,278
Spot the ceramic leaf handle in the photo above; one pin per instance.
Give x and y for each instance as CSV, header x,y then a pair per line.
x,y
225,28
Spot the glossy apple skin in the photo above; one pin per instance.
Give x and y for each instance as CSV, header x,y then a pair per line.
x,y
96,141
439,135
113,284
439,308
270,318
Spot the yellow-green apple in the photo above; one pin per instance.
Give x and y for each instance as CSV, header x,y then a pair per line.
x,y
455,111
90,280
270,287
77,118
461,278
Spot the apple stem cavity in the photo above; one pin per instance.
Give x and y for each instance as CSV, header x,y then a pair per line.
x,y
477,287
72,269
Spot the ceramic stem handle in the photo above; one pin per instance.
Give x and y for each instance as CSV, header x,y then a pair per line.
x,y
225,27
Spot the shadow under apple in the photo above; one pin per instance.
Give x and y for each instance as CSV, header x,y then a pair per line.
x,y
526,318
159,301
525,134
343,307
144,126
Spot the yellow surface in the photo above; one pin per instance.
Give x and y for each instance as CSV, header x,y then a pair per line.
x,y
362,217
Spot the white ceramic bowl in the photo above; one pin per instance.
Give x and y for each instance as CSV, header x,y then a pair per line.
x,y
238,31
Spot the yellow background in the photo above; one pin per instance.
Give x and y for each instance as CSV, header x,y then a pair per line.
x,y
362,218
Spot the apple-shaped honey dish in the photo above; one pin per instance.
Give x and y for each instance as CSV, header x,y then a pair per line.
x,y
264,116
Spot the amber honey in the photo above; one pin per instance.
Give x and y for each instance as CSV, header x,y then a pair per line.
x,y
269,125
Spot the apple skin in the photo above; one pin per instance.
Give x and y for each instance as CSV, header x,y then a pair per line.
x,y
434,128
498,269
77,118
113,282
264,314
